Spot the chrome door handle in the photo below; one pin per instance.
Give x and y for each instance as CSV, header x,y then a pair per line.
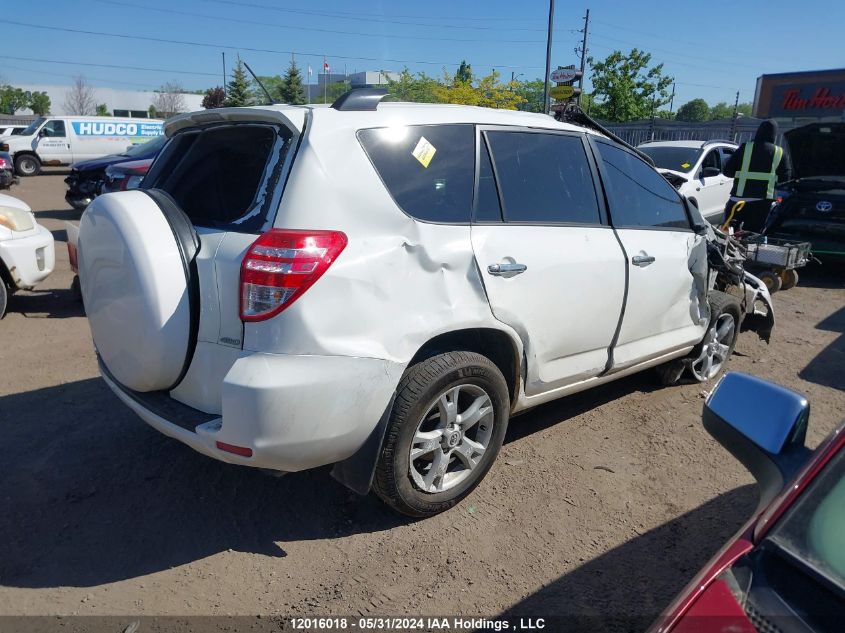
x,y
504,269
642,260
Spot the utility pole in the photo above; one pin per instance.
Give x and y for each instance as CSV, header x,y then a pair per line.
x,y
224,72
733,120
583,55
546,102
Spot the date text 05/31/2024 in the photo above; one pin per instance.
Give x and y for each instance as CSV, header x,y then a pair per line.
x,y
420,623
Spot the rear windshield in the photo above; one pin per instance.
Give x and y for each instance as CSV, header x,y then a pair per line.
x,y
224,176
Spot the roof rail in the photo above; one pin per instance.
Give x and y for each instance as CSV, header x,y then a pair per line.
x,y
716,140
360,99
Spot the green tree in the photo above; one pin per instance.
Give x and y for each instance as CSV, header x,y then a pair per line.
x,y
103,110
694,111
238,91
626,87
418,88
721,111
464,72
290,90
531,93
39,103
12,99
745,109
488,92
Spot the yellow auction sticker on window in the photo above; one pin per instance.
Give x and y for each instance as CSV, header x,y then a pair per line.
x,y
424,151
685,165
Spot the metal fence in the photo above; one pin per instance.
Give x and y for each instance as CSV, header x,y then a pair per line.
x,y
638,132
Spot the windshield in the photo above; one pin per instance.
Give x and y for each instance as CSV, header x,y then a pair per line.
x,y
814,527
33,126
675,158
147,148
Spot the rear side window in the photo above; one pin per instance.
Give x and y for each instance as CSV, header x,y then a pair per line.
x,y
544,178
428,169
638,195
223,176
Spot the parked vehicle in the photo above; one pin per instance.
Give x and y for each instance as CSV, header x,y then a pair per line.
x,y
785,569
11,130
62,140
812,207
380,287
86,177
125,176
26,249
695,169
7,171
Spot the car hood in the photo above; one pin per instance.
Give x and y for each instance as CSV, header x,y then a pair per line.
x,y
98,164
816,150
679,174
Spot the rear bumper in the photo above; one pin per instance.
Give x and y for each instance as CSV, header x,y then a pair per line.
x,y
29,259
292,412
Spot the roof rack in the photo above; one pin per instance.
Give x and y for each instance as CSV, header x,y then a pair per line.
x,y
360,99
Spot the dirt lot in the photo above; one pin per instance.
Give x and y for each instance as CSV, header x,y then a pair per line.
x,y
602,503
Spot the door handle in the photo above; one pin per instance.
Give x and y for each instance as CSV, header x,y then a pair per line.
x,y
504,269
642,260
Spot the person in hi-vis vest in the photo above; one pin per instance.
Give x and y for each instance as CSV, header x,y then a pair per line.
x,y
756,167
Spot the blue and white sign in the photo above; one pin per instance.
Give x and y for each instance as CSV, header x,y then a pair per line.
x,y
118,128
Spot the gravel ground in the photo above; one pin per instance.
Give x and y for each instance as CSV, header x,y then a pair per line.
x,y
602,503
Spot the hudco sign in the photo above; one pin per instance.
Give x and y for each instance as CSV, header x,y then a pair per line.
x,y
801,95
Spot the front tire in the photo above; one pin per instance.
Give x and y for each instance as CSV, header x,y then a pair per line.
x,y
27,165
788,279
713,352
447,425
4,298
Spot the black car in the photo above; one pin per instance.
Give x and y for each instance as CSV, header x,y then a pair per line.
x,y
86,177
7,171
813,206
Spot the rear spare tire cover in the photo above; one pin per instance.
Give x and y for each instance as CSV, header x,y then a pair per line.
x,y
136,252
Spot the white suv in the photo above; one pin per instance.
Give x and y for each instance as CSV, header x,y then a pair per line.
x,y
380,287
695,169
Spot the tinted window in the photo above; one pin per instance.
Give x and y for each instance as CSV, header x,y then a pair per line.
x,y
672,157
487,208
428,169
638,195
544,177
54,128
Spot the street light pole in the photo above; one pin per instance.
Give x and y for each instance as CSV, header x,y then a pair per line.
x,y
546,102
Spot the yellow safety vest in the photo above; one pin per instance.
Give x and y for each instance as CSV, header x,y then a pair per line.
x,y
770,177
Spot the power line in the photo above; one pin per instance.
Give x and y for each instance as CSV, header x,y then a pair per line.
x,y
218,46
47,72
115,66
297,27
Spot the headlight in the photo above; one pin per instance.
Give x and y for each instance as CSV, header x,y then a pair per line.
x,y
134,182
16,219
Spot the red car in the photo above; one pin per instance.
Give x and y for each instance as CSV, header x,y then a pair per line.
x,y
785,569
123,176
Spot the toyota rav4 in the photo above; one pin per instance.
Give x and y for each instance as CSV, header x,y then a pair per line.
x,y
381,286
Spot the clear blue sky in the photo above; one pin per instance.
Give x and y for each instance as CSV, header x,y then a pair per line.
x,y
711,48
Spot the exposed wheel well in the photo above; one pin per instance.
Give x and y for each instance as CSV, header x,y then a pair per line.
x,y
494,344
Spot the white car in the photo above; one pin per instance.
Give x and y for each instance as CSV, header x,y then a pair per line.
x,y
380,287
11,130
27,254
695,169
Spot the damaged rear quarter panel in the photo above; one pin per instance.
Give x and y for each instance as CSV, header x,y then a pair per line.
x,y
398,283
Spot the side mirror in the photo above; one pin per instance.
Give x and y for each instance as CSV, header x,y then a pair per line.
x,y
42,132
763,425
700,229
710,172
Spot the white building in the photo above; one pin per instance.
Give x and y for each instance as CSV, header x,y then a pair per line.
x,y
135,103
363,79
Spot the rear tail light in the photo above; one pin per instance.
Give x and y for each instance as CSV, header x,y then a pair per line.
x,y
4,164
281,265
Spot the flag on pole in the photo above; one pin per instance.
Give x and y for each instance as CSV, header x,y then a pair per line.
x,y
309,70
326,67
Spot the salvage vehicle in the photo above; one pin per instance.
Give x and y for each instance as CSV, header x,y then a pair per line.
x,y
694,168
27,255
124,176
86,178
785,568
7,171
812,205
381,286
62,140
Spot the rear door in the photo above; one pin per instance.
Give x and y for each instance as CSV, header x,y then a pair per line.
x,y
663,311
552,267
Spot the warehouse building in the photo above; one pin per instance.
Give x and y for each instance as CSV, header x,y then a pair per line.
x,y
134,103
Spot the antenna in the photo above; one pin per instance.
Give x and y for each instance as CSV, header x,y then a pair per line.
x,y
258,81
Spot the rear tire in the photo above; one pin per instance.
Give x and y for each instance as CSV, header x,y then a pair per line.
x,y
771,279
4,298
451,411
788,279
27,165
